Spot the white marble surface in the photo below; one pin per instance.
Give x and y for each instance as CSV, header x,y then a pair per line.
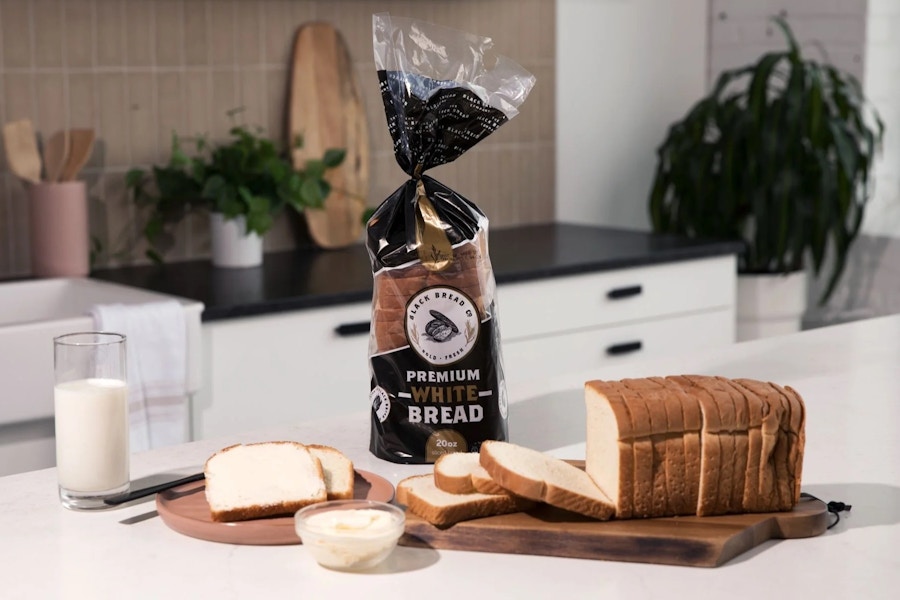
x,y
848,374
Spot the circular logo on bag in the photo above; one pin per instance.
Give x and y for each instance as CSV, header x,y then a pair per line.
x,y
442,324
381,403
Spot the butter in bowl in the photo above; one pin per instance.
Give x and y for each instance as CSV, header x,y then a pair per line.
x,y
350,535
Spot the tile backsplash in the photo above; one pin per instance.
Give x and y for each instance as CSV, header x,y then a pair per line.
x,y
139,70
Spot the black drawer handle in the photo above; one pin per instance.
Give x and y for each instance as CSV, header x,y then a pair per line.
x,y
624,292
624,348
348,329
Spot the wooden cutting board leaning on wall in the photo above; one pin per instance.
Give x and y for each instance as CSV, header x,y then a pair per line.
x,y
327,111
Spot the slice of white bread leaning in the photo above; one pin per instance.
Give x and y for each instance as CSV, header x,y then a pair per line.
x,y
453,472
249,481
423,498
538,476
462,473
337,469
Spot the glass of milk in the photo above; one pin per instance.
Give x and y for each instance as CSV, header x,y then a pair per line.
x,y
91,404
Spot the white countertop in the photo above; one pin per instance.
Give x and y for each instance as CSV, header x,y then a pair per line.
x,y
849,376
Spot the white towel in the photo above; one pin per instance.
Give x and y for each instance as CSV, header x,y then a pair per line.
x,y
156,347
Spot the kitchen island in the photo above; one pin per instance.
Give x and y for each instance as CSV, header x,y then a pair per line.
x,y
849,376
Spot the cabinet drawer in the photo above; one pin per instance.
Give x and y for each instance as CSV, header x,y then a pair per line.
x,y
573,352
283,368
613,297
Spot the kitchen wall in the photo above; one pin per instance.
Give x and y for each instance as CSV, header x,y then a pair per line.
x,y
626,71
137,70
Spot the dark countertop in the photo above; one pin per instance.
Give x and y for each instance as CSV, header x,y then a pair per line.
x,y
310,277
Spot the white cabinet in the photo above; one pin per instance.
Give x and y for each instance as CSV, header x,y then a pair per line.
x,y
575,323
282,368
289,367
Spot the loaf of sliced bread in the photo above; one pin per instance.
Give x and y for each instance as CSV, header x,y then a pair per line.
x,y
694,444
531,474
249,481
337,469
423,498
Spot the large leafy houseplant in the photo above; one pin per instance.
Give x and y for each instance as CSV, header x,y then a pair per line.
x,y
777,155
247,176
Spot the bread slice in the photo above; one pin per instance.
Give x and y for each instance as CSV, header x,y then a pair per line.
x,y
337,469
642,392
453,472
798,426
657,392
609,445
769,472
538,476
733,436
249,481
484,483
794,427
750,501
710,444
729,469
404,486
740,432
684,415
423,498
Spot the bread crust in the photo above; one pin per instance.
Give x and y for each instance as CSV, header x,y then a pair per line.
x,y
710,445
676,469
772,414
800,442
740,431
413,493
643,482
337,494
729,458
750,500
485,484
795,421
642,392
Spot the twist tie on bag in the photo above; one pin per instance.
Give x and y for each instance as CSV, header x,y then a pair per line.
x,y
432,244
835,507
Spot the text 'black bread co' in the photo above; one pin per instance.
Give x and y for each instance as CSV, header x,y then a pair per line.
x,y
437,381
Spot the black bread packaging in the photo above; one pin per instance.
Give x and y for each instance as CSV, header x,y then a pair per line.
x,y
437,382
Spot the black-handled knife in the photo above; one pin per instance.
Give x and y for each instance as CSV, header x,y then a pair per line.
x,y
153,489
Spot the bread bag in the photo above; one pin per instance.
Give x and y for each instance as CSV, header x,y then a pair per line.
x,y
434,353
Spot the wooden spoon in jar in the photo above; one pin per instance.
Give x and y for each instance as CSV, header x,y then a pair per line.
x,y
22,151
56,154
81,145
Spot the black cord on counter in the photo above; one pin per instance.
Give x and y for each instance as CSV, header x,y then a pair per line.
x,y
834,507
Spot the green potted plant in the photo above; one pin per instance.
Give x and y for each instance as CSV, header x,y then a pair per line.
x,y
243,184
779,156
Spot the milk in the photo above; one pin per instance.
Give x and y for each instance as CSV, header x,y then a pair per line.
x,y
92,434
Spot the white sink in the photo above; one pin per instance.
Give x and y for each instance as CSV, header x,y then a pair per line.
x,y
32,313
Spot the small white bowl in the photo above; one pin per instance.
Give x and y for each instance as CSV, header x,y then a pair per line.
x,y
350,534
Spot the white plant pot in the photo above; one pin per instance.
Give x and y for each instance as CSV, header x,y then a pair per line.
x,y
232,246
769,305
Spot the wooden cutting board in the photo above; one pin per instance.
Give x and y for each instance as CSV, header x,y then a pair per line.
x,y
327,110
686,541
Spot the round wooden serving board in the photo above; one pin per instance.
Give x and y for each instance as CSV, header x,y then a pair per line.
x,y
185,510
